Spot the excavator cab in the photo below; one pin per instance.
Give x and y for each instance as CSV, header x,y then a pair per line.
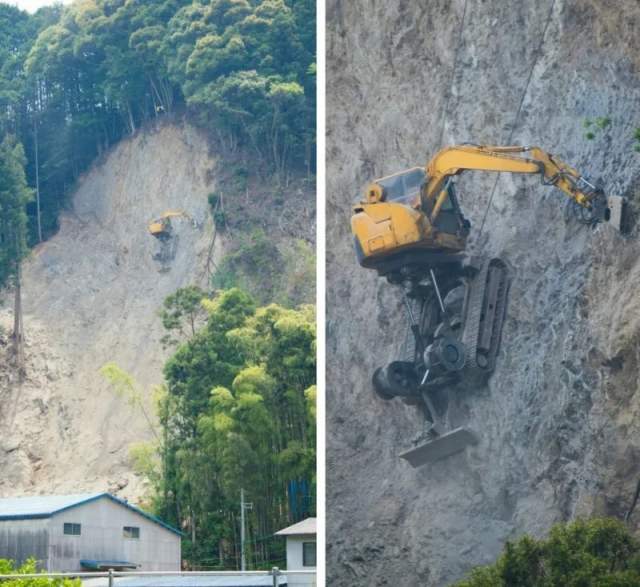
x,y
160,228
392,224
404,187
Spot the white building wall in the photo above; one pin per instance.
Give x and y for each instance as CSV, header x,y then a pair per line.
x,y
295,560
24,539
102,522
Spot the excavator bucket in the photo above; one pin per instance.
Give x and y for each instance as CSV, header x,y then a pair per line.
x,y
440,447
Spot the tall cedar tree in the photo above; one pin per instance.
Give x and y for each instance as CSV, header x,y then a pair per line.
x,y
14,196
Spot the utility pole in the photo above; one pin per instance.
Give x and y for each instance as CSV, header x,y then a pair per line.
x,y
18,326
243,506
243,562
37,148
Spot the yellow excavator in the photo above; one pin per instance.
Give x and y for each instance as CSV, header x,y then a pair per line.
x,y
409,228
161,227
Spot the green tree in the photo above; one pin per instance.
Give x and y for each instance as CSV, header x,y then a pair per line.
x,y
584,553
182,314
14,196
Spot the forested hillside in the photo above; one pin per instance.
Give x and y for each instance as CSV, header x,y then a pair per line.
x,y
174,374
75,80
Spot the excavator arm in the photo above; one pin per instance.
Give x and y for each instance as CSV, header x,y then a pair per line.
x,y
454,160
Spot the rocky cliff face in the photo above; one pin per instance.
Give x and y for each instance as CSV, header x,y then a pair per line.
x,y
557,421
91,295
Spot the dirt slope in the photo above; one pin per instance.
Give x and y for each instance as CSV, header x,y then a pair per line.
x,y
91,295
557,422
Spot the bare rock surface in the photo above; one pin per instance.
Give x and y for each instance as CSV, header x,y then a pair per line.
x,y
558,421
91,295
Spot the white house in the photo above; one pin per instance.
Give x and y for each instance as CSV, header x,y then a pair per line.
x,y
95,531
301,551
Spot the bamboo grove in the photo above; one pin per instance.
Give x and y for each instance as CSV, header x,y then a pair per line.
x,y
237,411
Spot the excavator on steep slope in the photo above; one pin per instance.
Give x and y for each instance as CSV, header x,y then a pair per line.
x,y
163,230
411,230
161,227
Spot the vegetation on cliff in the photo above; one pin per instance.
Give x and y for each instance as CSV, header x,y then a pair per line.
x,y
589,553
14,196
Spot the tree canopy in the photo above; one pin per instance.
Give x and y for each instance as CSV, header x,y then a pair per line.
x,y
14,196
584,553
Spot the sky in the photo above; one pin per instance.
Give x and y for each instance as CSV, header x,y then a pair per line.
x,y
33,5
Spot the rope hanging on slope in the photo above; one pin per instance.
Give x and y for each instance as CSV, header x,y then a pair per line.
x,y
515,122
453,73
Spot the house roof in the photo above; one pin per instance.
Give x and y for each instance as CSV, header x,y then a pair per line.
x,y
307,526
45,506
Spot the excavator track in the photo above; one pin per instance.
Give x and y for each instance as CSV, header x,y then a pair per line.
x,y
485,311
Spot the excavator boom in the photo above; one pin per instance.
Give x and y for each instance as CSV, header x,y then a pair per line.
x,y
454,160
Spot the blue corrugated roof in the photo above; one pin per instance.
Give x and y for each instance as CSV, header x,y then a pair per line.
x,y
40,506
44,506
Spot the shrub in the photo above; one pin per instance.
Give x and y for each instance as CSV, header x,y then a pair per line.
x,y
8,567
600,552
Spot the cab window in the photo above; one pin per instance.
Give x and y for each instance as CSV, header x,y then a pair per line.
x,y
403,187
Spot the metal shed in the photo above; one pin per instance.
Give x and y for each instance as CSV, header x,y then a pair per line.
x,y
86,532
301,551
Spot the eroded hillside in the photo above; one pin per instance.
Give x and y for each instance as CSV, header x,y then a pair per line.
x,y
557,422
92,294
